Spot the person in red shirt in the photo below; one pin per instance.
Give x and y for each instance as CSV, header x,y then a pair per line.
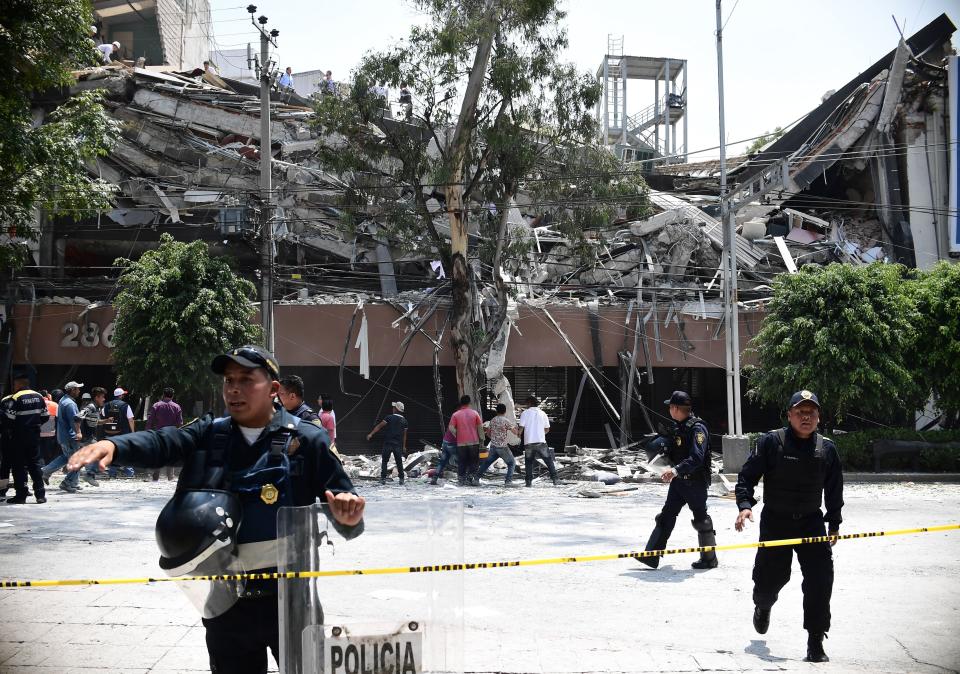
x,y
467,425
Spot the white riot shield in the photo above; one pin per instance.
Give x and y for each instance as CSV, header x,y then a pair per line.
x,y
384,623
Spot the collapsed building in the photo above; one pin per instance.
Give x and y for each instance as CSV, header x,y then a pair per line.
x,y
863,177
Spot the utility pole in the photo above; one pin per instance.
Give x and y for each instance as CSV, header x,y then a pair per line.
x,y
266,185
731,312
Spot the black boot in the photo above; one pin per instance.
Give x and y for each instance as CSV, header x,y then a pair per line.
x,y
815,648
658,540
19,497
761,619
707,537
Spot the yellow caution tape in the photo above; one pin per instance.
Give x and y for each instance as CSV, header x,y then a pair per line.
x,y
479,565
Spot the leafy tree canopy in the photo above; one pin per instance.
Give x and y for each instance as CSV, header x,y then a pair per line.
x,y
763,140
937,353
178,308
845,332
43,165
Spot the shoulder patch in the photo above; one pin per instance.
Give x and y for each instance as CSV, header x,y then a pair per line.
x,y
701,437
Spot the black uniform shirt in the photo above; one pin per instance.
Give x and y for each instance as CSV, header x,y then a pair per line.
x,y
764,458
25,412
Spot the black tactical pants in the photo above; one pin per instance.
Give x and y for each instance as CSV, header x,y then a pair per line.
x,y
27,461
237,641
397,452
691,493
771,570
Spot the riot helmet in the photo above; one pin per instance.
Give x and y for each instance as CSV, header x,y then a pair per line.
x,y
197,532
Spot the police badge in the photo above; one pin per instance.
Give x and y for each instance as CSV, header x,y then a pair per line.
x,y
269,494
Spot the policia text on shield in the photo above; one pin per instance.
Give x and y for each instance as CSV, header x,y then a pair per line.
x,y
238,469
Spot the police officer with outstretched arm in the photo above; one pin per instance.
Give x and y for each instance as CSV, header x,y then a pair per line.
x,y
687,447
237,472
800,469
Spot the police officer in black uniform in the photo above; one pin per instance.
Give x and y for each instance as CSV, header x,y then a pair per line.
x,y
290,396
24,412
800,469
687,447
237,472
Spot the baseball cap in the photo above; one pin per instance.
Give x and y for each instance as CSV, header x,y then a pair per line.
x,y
86,396
803,396
72,384
398,405
248,356
681,398
117,392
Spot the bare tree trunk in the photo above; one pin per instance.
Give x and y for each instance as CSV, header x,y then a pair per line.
x,y
462,334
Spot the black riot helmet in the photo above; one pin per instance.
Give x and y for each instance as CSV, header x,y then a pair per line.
x,y
197,532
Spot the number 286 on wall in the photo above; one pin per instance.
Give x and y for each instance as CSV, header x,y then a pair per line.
x,y
87,334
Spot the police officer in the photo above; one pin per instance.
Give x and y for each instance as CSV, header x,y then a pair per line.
x,y
237,472
800,469
290,396
24,412
687,447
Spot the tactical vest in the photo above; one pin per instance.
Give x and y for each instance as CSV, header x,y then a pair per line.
x,y
682,442
271,482
116,412
795,483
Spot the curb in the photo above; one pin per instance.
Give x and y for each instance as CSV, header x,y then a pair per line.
x,y
867,478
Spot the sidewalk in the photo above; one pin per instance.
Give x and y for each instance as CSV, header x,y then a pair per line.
x,y
896,604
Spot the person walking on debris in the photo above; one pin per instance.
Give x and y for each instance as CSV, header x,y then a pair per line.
x,y
467,426
688,449
448,450
164,413
290,395
24,413
68,435
800,470
500,428
394,440
238,471
535,424
91,427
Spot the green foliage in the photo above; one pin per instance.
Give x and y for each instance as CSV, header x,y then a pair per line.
x,y
531,131
937,352
43,166
845,332
176,310
768,137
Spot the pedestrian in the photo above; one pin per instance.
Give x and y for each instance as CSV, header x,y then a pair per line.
x,y
500,428
394,427
687,447
535,424
68,436
448,451
290,396
108,51
119,421
163,414
25,411
328,86
286,80
329,421
801,470
251,463
48,432
91,427
467,426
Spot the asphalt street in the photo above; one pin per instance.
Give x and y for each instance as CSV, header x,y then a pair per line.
x,y
896,603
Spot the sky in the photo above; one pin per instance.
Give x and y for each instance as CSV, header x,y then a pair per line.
x,y
779,56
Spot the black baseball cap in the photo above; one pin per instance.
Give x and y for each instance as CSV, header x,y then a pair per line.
x,y
681,398
803,396
247,356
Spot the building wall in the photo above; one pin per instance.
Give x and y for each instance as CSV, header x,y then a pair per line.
x,y
185,31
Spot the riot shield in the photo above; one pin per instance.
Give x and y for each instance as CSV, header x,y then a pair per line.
x,y
384,623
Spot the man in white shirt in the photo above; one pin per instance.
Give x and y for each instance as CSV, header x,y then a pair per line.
x,y
107,50
286,79
535,425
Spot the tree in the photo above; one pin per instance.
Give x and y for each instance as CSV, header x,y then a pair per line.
x,y
764,140
43,165
497,114
177,308
845,332
937,295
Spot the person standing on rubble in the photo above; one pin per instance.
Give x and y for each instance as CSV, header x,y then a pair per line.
x,y
535,424
800,470
500,428
688,450
467,425
448,450
394,441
